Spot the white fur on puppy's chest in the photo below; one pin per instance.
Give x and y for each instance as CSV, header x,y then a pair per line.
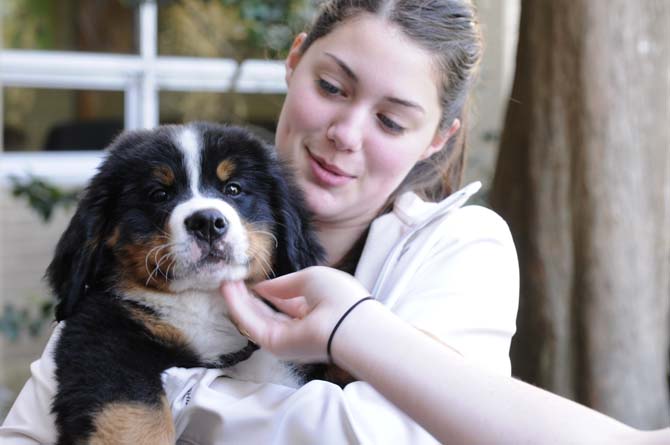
x,y
201,316
203,319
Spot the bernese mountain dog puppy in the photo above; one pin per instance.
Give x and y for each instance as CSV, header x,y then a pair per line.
x,y
171,213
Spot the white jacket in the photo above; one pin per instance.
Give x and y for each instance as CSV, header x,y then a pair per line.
x,y
449,270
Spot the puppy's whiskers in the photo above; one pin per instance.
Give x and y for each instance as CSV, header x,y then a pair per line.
x,y
260,255
155,252
268,234
168,256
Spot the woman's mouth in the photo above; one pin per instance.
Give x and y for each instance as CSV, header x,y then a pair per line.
x,y
326,174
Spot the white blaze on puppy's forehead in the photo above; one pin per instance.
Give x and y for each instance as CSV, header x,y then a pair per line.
x,y
188,141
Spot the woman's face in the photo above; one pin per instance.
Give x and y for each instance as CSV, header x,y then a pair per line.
x,y
361,109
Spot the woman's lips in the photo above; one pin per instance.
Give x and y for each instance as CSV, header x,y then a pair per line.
x,y
326,174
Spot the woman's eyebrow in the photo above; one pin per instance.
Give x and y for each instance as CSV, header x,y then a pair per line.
x,y
406,103
350,73
343,66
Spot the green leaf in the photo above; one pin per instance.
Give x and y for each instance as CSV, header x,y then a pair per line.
x,y
41,196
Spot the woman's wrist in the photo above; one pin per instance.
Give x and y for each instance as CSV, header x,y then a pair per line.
x,y
360,334
339,322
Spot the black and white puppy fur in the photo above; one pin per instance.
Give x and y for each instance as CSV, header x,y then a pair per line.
x,y
171,214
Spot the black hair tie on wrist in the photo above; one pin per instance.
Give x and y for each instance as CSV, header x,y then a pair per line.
x,y
337,325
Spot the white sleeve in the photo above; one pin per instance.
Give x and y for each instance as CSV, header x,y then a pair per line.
x,y
466,292
212,409
30,421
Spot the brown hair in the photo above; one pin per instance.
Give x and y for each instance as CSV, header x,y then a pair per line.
x,y
449,30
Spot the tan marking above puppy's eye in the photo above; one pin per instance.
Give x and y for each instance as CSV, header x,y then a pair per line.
x,y
164,174
225,170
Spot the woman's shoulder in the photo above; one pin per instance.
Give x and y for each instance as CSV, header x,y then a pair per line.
x,y
451,218
476,221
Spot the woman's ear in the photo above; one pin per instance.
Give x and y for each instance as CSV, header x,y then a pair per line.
x,y
294,55
440,139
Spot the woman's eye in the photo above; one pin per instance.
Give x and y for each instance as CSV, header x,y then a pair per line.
x,y
232,189
328,87
390,124
158,196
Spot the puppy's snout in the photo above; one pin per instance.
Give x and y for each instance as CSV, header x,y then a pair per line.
x,y
207,225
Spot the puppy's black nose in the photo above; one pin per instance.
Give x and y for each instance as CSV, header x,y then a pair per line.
x,y
207,224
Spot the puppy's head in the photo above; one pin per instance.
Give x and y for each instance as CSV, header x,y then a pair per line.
x,y
182,208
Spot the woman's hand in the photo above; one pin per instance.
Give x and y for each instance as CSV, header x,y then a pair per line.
x,y
311,301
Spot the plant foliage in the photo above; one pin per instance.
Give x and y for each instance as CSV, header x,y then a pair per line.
x,y
41,196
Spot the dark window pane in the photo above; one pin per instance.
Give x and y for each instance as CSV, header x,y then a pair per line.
x,y
46,119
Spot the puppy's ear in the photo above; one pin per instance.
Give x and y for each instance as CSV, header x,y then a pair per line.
x,y
78,256
298,247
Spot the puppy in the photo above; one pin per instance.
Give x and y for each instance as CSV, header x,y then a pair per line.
x,y
171,214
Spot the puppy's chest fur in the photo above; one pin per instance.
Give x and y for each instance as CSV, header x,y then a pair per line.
x,y
201,318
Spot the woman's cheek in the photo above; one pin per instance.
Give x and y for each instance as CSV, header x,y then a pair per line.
x,y
388,163
307,109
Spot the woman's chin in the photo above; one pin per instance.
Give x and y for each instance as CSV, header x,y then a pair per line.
x,y
323,204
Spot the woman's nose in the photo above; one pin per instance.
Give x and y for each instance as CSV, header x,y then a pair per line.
x,y
346,131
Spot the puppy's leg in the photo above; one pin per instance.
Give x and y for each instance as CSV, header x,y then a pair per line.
x,y
134,423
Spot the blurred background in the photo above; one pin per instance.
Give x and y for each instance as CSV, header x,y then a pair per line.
x,y
570,135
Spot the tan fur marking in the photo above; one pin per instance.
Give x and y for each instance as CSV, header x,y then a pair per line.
x,y
134,423
114,239
151,258
164,174
225,170
158,328
261,252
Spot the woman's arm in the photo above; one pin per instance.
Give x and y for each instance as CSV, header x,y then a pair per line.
x,y
456,401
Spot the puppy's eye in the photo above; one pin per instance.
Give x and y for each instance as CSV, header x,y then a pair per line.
x,y
232,189
159,195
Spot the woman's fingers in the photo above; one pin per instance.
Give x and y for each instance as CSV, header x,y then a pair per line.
x,y
310,302
251,318
290,293
288,338
296,307
286,286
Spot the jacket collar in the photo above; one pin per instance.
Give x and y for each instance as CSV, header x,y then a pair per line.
x,y
391,234
416,213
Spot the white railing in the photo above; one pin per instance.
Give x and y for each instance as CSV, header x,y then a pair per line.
x,y
65,169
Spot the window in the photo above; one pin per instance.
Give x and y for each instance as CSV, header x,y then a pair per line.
x,y
73,74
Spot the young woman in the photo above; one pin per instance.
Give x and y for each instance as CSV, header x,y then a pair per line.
x,y
374,125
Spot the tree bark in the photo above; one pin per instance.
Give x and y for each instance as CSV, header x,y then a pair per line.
x,y
583,178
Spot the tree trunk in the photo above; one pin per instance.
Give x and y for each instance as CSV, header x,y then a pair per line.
x,y
583,178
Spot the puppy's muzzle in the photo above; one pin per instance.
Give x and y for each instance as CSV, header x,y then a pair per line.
x,y
207,225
